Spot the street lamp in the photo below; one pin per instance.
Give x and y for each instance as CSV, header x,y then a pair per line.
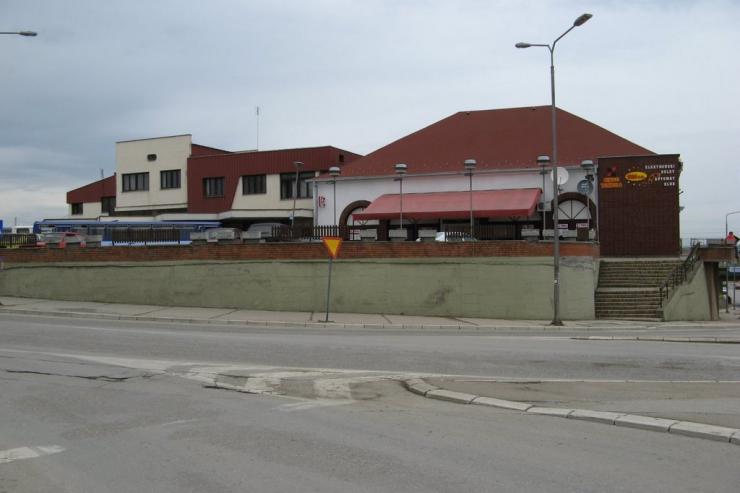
x,y
556,240
726,216
21,33
400,171
334,171
543,162
469,168
727,277
298,165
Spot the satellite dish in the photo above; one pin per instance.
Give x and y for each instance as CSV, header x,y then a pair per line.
x,y
562,176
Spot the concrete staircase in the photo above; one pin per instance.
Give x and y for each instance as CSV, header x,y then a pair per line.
x,y
628,289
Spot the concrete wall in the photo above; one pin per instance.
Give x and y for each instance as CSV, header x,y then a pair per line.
x,y
497,287
690,301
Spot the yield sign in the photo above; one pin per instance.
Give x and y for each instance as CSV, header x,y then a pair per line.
x,y
332,244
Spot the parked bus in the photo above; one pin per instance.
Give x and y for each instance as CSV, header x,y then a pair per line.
x,y
117,231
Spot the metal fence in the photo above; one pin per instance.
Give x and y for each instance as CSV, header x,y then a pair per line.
x,y
15,240
128,236
313,233
456,232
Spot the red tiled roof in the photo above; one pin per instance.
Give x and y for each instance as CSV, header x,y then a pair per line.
x,y
454,205
92,192
497,139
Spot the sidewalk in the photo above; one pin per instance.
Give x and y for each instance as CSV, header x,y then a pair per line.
x,y
711,402
116,311
710,411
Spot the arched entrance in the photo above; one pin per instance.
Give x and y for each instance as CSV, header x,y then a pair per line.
x,y
575,208
354,226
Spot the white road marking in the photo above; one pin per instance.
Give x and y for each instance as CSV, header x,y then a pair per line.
x,y
28,452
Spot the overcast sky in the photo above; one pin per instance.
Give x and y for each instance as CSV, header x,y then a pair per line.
x,y
357,75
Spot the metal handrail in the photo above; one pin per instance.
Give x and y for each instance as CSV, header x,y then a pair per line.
x,y
680,273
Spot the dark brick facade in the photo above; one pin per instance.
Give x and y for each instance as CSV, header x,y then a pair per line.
x,y
638,205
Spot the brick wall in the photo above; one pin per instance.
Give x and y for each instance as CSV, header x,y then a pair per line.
x,y
638,206
297,251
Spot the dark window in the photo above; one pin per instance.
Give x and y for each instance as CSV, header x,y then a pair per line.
x,y
169,179
135,181
254,184
341,158
77,208
151,157
108,205
213,187
287,185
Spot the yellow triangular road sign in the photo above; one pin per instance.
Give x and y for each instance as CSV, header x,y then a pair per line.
x,y
332,244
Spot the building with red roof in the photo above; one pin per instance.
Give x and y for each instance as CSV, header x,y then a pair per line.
x,y
172,178
509,191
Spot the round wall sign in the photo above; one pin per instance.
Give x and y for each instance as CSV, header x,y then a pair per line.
x,y
585,187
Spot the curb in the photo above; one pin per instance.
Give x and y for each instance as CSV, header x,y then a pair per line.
x,y
327,325
702,339
337,325
685,428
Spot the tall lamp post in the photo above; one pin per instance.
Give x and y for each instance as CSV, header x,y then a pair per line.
x,y
298,165
334,171
726,216
469,168
556,239
727,277
400,171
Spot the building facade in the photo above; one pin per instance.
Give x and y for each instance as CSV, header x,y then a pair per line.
x,y
171,178
505,145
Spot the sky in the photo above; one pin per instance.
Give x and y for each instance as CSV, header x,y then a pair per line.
x,y
357,74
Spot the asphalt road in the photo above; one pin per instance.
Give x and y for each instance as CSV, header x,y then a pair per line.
x,y
486,354
106,406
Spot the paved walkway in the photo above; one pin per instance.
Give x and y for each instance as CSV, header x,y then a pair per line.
x,y
121,311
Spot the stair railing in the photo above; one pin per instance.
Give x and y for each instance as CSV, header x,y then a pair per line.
x,y
680,273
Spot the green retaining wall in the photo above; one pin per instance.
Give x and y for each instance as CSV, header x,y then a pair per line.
x,y
691,300
487,287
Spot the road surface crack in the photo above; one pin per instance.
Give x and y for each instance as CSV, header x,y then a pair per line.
x,y
104,378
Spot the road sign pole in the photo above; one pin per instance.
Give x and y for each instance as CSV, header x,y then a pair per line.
x,y
332,245
328,289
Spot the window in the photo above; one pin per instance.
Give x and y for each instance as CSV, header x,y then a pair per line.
x,y
254,184
151,157
108,205
287,185
169,179
213,187
77,208
133,182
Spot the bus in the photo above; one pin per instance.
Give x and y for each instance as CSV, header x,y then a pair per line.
x,y
115,231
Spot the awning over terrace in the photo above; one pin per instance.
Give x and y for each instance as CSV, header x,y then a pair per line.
x,y
454,205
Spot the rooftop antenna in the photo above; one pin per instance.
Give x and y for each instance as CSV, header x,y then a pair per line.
x,y
257,113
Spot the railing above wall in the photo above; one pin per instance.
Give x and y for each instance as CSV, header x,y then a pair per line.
x,y
680,274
